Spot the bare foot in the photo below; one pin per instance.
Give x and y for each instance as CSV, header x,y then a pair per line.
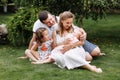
x,y
97,70
102,54
23,57
37,62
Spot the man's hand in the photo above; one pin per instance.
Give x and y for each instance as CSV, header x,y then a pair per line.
x,y
83,35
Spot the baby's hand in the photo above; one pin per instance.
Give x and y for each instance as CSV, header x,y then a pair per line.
x,y
67,41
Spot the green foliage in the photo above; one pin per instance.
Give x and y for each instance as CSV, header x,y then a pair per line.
x,y
114,4
28,3
82,8
3,2
20,27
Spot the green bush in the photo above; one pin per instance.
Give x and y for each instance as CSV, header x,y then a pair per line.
x,y
20,27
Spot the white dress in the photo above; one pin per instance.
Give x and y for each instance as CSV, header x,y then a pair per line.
x,y
71,59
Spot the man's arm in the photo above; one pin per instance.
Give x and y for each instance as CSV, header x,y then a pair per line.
x,y
32,40
33,51
83,35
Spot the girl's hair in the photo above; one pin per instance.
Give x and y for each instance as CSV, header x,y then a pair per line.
x,y
40,35
63,16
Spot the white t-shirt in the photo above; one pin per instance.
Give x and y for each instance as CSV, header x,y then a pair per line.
x,y
39,24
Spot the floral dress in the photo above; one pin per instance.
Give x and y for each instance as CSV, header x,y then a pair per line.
x,y
45,49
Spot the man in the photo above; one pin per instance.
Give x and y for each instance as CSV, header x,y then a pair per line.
x,y
47,20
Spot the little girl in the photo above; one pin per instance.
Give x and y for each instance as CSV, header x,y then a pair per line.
x,y
43,43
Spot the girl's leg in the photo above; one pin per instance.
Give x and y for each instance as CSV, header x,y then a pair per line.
x,y
29,55
36,55
92,68
23,57
48,60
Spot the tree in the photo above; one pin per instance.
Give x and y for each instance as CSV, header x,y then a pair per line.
x,y
82,8
28,9
4,4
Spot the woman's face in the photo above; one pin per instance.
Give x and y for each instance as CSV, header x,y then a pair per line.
x,y
67,23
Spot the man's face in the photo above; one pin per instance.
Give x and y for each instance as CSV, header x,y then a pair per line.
x,y
50,21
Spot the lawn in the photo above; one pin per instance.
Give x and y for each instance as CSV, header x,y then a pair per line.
x,y
105,33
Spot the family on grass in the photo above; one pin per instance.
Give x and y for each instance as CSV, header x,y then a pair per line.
x,y
57,40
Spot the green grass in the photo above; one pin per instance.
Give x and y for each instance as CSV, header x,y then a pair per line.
x,y
106,29
105,33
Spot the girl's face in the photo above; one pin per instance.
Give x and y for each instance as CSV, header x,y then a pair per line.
x,y
67,23
46,36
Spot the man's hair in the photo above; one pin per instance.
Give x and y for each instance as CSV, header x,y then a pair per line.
x,y
43,15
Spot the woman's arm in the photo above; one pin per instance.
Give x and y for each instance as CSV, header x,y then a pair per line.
x,y
81,35
70,46
54,44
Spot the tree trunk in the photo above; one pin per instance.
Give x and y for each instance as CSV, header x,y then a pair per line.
x,y
5,8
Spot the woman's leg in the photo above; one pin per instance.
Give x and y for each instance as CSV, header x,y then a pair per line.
x,y
92,68
88,57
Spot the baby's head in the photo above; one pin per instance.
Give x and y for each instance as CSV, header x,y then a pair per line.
x,y
42,35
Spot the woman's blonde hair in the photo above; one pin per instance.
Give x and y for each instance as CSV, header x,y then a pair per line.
x,y
63,16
